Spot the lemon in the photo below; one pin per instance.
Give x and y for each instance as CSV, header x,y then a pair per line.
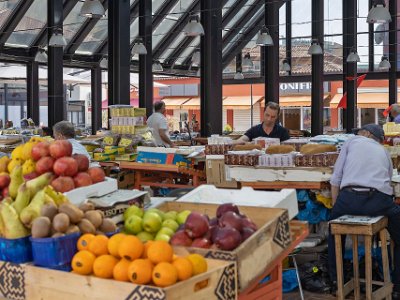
x,y
13,163
28,167
17,152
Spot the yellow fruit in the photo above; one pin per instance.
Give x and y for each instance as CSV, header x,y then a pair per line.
x,y
130,248
17,152
82,262
160,251
36,139
199,263
4,163
184,268
164,274
140,271
27,150
113,243
28,167
84,241
120,271
13,163
104,265
98,245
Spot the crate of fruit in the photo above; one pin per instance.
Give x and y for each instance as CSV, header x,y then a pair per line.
x,y
29,282
250,236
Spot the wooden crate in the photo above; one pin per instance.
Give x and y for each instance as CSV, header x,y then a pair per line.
x,y
253,256
18,282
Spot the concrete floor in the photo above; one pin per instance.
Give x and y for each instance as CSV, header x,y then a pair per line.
x,y
307,296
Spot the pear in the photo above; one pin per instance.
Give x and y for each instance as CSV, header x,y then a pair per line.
x,y
13,228
38,183
23,198
2,229
57,197
32,211
16,181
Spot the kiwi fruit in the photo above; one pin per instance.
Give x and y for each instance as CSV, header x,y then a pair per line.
x,y
41,227
61,222
73,212
72,229
86,206
49,210
86,226
94,217
58,234
107,226
101,213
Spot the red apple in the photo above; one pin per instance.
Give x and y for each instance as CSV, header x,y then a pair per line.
x,y
82,179
63,184
97,174
83,162
180,238
44,165
65,166
60,148
4,180
40,150
30,176
201,243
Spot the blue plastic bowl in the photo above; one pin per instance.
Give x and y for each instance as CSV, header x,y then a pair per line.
x,y
16,250
65,268
54,252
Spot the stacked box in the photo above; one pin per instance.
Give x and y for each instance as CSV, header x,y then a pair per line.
x,y
241,159
316,160
276,160
125,119
217,149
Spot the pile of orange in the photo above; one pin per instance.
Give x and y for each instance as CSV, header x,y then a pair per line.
x,y
126,258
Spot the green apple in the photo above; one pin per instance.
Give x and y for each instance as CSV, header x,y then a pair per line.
x,y
170,215
156,210
170,224
133,224
182,216
162,237
151,222
145,236
133,210
167,231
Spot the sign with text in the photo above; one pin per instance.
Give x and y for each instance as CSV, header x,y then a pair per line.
x,y
299,88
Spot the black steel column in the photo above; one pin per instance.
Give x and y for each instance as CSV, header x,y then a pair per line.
x,y
96,99
289,34
211,68
5,104
239,62
371,42
56,95
317,73
271,53
146,61
350,69
33,97
119,52
393,53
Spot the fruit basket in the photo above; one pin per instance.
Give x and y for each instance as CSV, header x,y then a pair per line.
x,y
258,251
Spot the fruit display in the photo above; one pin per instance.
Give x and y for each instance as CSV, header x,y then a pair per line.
x,y
226,231
153,224
125,257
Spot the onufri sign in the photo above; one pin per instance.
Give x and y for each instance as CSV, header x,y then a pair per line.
x,y
299,88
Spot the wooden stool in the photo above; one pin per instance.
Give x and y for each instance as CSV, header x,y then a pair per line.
x,y
367,227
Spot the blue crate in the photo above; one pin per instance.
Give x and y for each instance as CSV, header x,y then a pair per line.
x,y
16,250
53,252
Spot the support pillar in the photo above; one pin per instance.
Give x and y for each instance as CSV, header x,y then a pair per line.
x,y
393,53
96,99
33,96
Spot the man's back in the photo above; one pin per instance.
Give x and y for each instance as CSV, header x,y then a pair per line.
x,y
156,122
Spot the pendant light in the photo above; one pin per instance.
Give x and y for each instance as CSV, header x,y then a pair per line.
x,y
139,48
247,63
238,76
315,48
157,67
196,58
104,63
384,65
193,27
57,39
353,56
93,9
264,38
41,56
379,13
285,66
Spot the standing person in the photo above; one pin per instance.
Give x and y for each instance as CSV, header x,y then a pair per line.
x,y
65,130
395,113
269,128
361,186
159,125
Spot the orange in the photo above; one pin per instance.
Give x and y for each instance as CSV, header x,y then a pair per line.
x,y
84,241
104,265
140,271
120,271
82,262
146,248
164,274
184,268
130,247
98,245
160,251
113,243
199,263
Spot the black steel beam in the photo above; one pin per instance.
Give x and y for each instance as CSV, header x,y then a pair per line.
x,y
83,32
41,38
119,55
317,66
56,95
211,68
350,69
271,53
371,42
96,99
13,20
289,34
176,28
393,48
146,61
33,96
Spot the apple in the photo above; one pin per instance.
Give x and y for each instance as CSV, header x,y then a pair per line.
x,y
145,236
133,224
162,237
166,230
82,161
44,165
63,184
60,148
82,179
182,216
133,210
5,180
40,150
170,215
65,166
151,222
171,224
97,174
159,212
5,192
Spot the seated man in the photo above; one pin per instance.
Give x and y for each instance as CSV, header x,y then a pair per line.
x,y
65,130
361,185
269,128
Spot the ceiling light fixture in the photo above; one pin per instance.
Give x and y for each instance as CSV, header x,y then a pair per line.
x,y
238,76
264,38
196,58
139,48
353,56
93,9
193,27
315,48
285,65
57,39
384,65
104,63
379,13
157,67
247,63
41,56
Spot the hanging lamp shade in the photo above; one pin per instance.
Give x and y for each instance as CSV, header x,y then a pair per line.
x,y
93,9
139,48
193,27
104,63
353,56
41,56
384,65
285,66
57,40
264,38
157,67
198,73
379,13
238,76
315,48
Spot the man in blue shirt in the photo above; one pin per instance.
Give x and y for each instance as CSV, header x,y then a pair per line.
x,y
269,128
361,185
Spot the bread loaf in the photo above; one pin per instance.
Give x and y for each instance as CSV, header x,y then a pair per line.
x,y
317,148
246,147
280,149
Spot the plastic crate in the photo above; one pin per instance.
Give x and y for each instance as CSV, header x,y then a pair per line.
x,y
16,250
54,252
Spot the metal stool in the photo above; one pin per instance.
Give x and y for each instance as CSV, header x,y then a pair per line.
x,y
367,227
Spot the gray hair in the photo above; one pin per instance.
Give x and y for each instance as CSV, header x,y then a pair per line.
x,y
395,108
65,128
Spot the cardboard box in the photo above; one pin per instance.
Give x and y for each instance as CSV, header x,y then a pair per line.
x,y
276,160
215,171
160,155
126,157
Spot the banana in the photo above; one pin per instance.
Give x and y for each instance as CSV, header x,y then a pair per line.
x,y
38,183
13,228
16,181
23,198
